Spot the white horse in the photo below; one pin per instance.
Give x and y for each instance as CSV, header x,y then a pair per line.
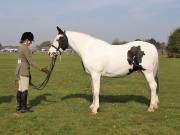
x,y
100,58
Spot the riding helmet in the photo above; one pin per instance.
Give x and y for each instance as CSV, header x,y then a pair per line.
x,y
27,35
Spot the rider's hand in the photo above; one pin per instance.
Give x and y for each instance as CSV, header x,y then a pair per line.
x,y
45,70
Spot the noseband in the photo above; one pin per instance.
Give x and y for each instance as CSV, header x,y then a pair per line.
x,y
59,50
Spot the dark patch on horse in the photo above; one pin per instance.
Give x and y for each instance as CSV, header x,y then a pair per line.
x,y
134,57
63,41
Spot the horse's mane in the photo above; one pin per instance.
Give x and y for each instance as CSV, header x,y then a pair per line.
x,y
81,34
87,36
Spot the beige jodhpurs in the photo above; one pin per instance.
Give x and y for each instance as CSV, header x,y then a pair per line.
x,y
23,83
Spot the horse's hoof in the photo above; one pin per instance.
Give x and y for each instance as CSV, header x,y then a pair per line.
x,y
91,106
150,109
94,113
94,110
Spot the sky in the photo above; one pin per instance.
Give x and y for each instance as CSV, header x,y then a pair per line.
x,y
125,20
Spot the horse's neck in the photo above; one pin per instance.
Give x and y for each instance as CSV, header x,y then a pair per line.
x,y
78,41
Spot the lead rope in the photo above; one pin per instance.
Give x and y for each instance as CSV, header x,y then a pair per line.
x,y
44,83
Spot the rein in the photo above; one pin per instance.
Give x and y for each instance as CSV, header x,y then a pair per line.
x,y
59,50
44,83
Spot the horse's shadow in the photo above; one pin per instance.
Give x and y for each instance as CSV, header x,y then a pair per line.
x,y
39,99
6,99
111,98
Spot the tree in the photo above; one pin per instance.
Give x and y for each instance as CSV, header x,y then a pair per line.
x,y
117,42
173,46
138,39
45,45
1,47
154,42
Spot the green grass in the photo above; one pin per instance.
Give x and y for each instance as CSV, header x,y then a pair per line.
x,y
62,107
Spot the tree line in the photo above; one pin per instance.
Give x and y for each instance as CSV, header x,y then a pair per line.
x,y
172,48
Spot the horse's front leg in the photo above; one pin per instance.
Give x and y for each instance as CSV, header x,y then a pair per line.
x,y
95,90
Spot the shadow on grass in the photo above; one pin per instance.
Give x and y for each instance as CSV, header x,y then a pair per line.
x,y
6,99
111,98
39,99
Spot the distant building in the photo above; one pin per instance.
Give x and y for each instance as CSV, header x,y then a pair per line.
x,y
9,50
44,50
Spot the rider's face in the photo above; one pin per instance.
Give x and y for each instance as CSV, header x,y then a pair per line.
x,y
28,42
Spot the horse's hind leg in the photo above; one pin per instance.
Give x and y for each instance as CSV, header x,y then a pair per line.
x,y
95,89
153,86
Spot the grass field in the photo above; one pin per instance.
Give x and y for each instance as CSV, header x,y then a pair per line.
x,y
62,107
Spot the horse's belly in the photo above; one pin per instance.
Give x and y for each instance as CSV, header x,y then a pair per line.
x,y
115,72
108,74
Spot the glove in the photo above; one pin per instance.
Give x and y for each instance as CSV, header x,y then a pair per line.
x,y
45,70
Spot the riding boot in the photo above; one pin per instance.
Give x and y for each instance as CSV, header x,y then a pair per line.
x,y
24,107
19,103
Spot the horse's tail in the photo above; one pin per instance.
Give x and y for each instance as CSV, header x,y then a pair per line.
x,y
156,76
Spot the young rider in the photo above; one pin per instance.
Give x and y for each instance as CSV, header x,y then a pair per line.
x,y
23,71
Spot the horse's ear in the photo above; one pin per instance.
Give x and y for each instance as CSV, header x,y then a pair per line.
x,y
59,30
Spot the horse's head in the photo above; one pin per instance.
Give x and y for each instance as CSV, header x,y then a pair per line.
x,y
60,43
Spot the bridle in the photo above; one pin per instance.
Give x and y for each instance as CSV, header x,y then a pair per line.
x,y
42,85
59,50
